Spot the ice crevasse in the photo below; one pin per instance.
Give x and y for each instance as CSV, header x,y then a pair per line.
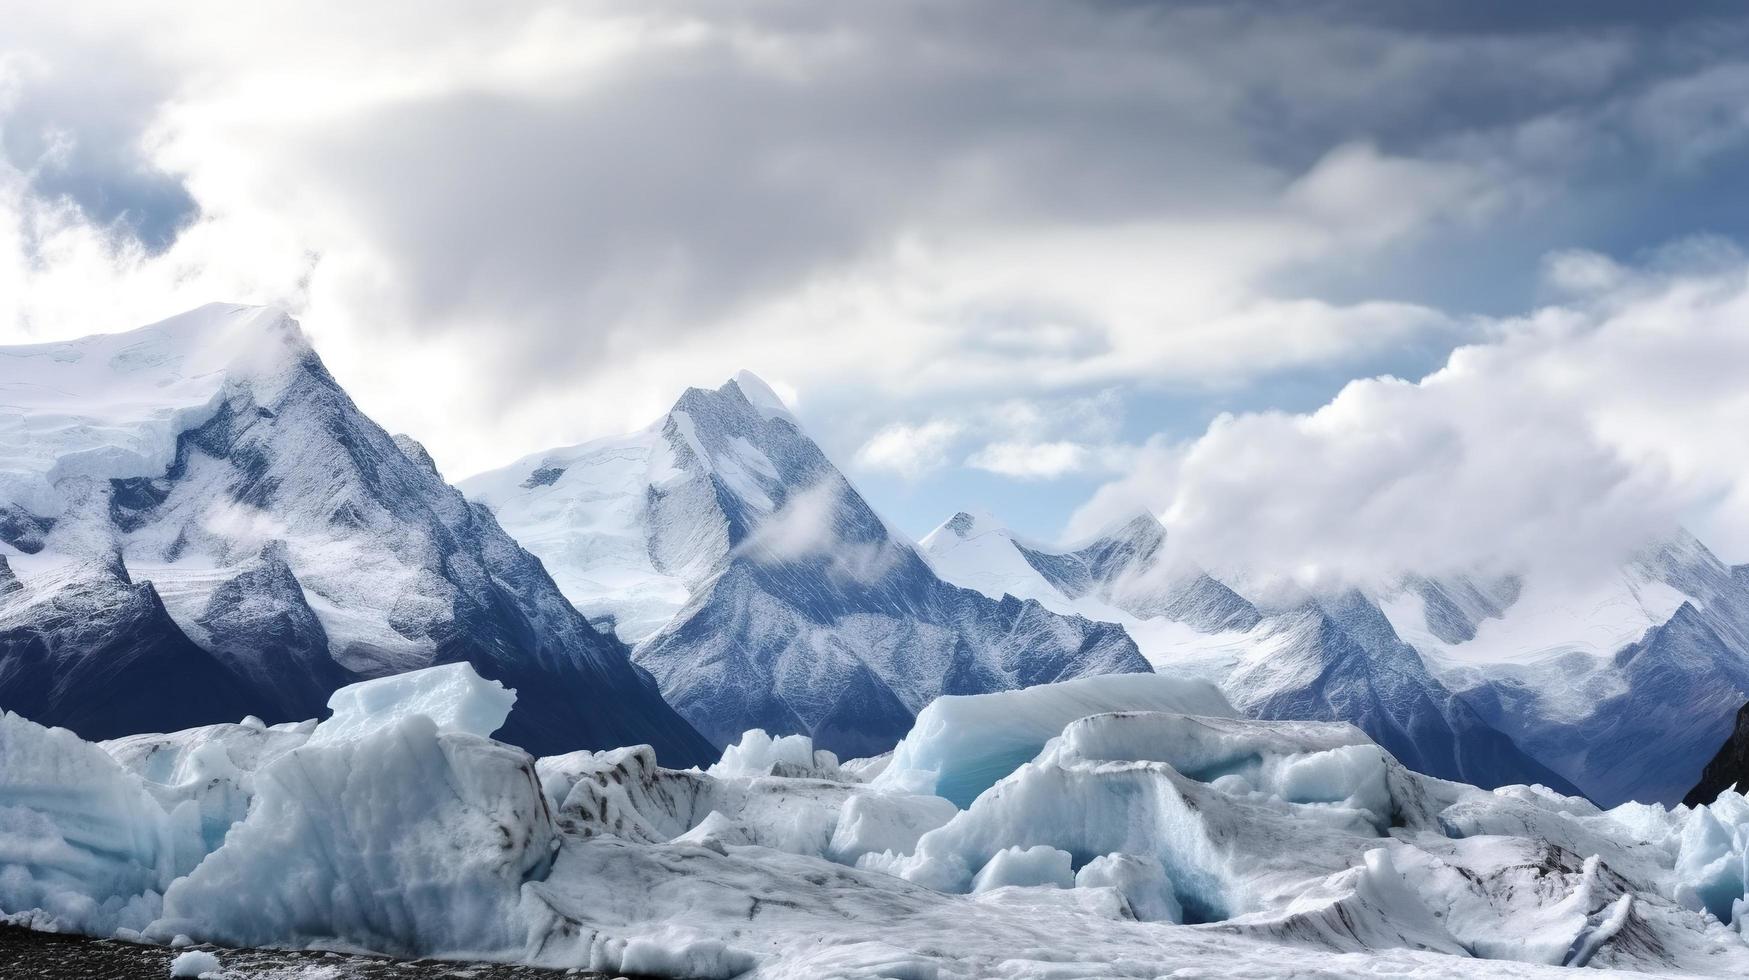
x,y
1129,828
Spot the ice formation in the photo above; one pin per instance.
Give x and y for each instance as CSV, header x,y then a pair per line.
x,y
1150,832
758,754
194,963
453,697
962,745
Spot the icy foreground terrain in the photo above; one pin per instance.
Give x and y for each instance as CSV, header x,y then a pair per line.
x,y
1132,843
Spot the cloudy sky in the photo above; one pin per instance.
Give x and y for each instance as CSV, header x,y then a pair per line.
x,y
1344,287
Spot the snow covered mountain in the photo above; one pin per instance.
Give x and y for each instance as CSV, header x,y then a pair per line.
x,y
1126,571
1329,659
1622,688
761,589
1627,685
199,524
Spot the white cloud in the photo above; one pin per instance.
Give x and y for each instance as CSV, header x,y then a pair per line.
x,y
1578,435
557,216
544,212
805,528
1030,461
909,450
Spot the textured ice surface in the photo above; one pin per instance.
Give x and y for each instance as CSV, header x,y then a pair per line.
x,y
962,745
194,963
1290,848
404,839
1040,865
453,696
758,754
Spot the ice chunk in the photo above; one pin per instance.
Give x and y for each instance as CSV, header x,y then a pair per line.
x,y
453,696
867,768
1040,865
961,745
871,823
1326,764
403,839
758,754
194,963
623,792
82,841
1140,880
1710,866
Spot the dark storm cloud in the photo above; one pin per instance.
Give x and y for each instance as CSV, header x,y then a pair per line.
x,y
77,126
789,139
559,214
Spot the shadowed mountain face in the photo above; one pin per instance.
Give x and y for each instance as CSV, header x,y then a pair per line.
x,y
761,589
1338,659
1634,721
294,545
1728,769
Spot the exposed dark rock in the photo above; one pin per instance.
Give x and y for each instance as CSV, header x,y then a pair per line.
x,y
1730,768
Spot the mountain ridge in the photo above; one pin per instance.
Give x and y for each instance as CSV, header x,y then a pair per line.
x,y
297,540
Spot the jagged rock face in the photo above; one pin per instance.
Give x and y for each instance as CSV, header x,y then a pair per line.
x,y
260,625
1128,568
302,547
1339,660
762,590
1334,658
89,650
1638,722
1729,769
1125,572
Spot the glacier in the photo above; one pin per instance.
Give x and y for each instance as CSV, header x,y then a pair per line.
x,y
1137,840
761,590
197,524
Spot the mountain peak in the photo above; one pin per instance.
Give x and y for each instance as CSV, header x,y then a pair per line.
x,y
1139,527
761,395
969,524
110,406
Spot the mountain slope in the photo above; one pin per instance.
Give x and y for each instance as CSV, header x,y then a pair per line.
x,y
1627,686
761,589
291,540
1728,769
1332,658
1125,571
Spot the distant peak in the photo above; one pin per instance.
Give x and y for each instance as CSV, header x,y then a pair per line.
x,y
1137,527
760,395
969,523
1140,524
